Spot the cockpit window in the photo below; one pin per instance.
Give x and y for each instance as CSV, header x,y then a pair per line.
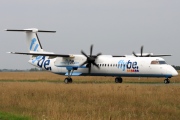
x,y
154,62
158,62
162,62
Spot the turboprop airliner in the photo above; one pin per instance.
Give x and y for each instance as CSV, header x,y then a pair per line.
x,y
118,66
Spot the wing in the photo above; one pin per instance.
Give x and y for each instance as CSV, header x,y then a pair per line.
x,y
159,55
42,54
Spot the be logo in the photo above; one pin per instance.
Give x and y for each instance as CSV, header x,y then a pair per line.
x,y
44,63
132,66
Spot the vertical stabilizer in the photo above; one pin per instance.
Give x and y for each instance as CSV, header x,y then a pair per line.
x,y
33,42
32,39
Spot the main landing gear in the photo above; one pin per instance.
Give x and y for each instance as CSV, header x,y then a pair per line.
x,y
118,80
69,79
167,81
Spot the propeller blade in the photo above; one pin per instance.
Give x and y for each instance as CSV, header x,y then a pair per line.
x,y
84,53
134,54
95,64
141,51
91,48
83,63
97,55
89,71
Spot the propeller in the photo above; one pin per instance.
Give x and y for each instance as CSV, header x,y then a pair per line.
x,y
141,55
90,59
148,55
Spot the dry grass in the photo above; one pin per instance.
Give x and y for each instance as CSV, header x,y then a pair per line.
x,y
50,77
91,101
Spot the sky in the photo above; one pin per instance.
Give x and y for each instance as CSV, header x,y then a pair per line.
x,y
114,27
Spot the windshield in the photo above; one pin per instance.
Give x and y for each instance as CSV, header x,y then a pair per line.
x,y
158,62
162,62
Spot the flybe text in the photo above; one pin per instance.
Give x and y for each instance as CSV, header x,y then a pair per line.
x,y
128,66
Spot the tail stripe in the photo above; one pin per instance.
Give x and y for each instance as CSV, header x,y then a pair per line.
x,y
35,49
39,41
33,41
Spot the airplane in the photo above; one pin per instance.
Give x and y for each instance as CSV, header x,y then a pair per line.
x,y
118,66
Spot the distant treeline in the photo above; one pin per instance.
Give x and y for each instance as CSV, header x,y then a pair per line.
x,y
37,69
177,67
17,70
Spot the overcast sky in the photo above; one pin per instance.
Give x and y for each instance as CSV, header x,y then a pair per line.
x,y
115,27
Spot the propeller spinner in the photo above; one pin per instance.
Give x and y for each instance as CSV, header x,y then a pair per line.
x,y
90,59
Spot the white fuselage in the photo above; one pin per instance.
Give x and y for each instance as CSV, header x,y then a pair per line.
x,y
108,66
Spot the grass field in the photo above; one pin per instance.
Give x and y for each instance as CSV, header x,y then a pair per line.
x,y
44,96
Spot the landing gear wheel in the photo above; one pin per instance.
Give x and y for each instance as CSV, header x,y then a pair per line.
x,y
118,80
166,81
68,80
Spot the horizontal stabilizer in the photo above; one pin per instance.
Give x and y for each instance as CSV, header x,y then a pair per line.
x,y
43,54
29,30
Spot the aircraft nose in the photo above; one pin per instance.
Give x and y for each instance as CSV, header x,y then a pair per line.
x,y
174,73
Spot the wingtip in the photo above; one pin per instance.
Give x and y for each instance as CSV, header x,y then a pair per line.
x,y
10,52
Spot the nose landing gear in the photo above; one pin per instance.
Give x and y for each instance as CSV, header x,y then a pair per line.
x,y
167,81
